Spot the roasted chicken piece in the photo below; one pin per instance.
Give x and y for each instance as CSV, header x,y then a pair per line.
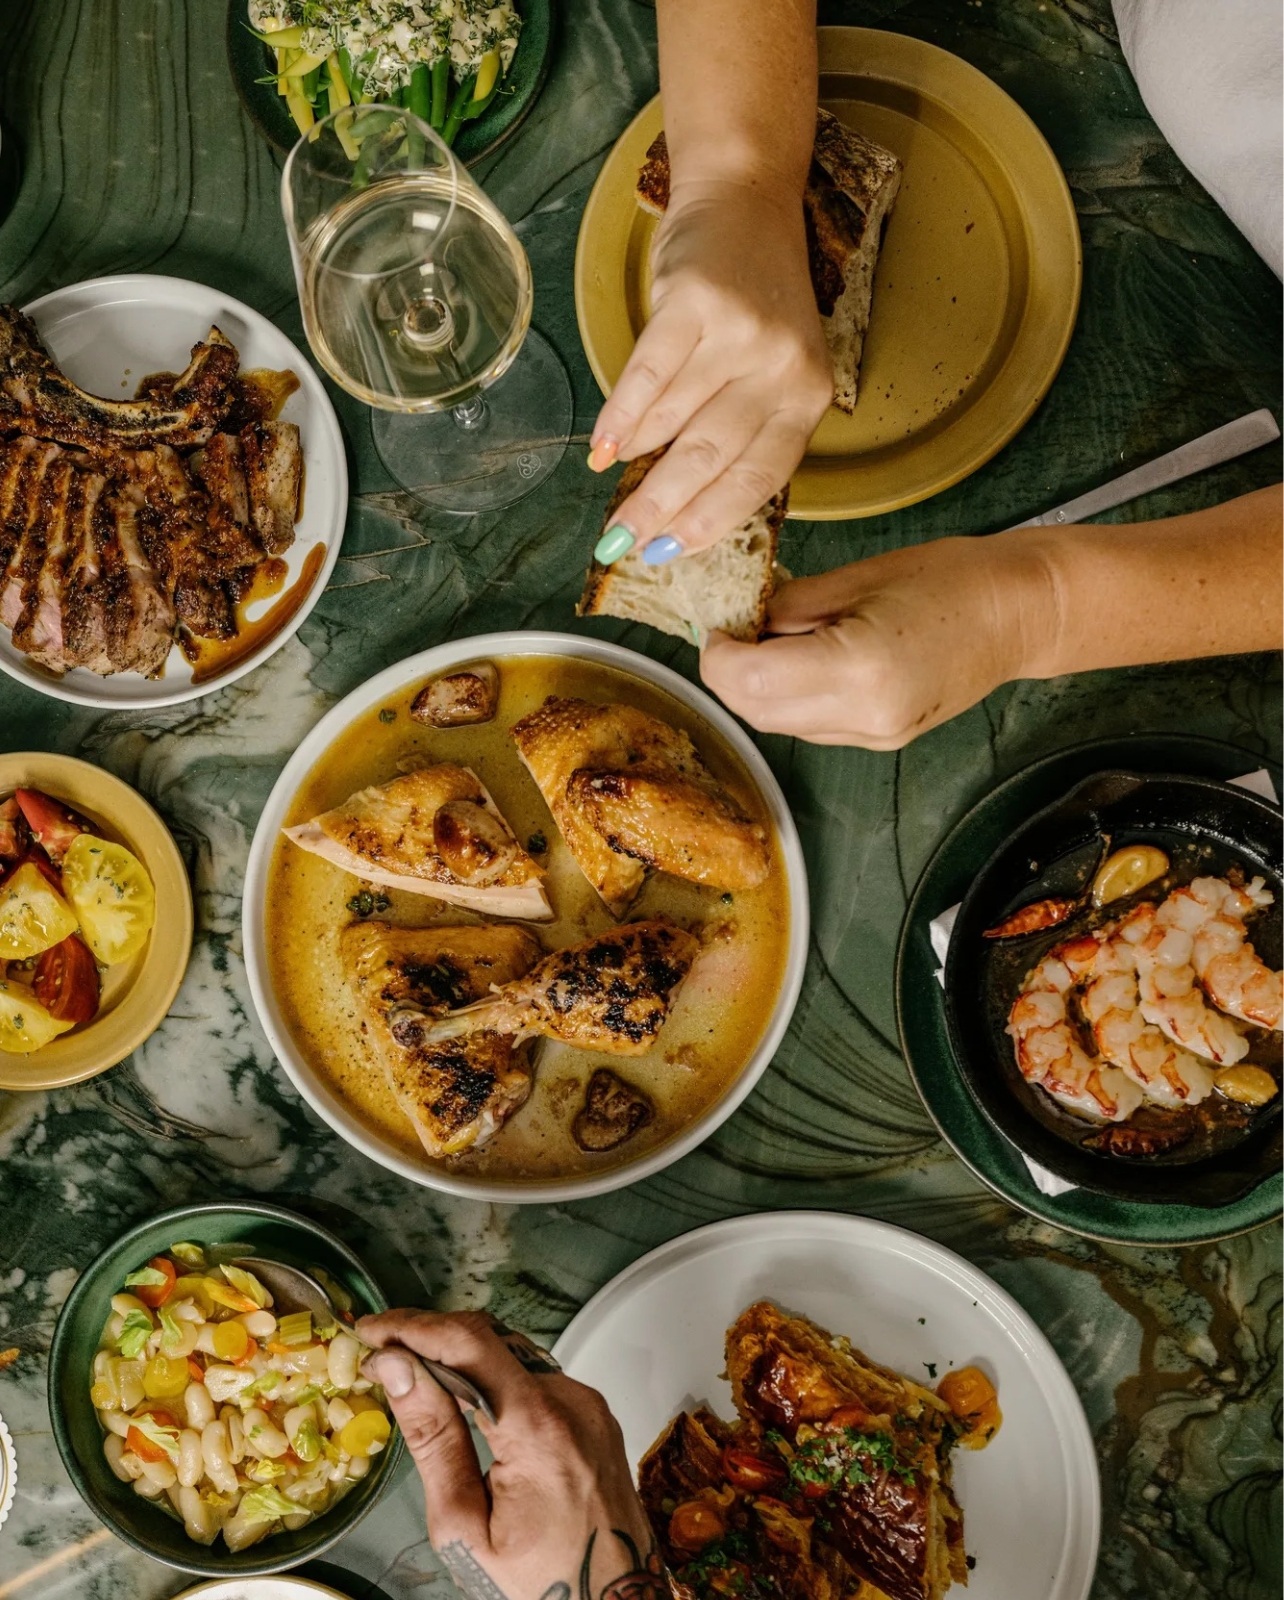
x,y
613,1111
685,826
435,831
459,1092
37,399
612,993
663,807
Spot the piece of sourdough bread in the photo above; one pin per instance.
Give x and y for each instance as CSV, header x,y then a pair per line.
x,y
726,587
851,188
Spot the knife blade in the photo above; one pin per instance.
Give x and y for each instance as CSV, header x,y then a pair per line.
x,y
1209,450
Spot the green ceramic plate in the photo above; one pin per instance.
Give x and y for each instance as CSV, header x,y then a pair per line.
x,y
266,109
920,1008
271,1232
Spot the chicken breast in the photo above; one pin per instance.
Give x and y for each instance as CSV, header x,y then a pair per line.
x,y
436,831
628,793
613,993
459,1092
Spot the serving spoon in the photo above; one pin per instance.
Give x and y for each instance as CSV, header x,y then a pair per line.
x,y
296,1290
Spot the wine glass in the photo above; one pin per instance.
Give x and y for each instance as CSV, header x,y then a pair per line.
x,y
416,297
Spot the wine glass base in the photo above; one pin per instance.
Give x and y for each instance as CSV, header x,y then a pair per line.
x,y
517,442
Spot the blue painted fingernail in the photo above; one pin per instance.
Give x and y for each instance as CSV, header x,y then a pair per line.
x,y
613,544
662,550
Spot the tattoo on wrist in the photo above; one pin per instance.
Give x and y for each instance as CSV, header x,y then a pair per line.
x,y
645,1579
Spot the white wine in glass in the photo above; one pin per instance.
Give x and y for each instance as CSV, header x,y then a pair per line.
x,y
416,297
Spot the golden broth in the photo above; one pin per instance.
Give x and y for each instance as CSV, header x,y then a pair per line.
x,y
720,1015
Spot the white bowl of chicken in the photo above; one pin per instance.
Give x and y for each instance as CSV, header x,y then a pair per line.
x,y
156,540
526,917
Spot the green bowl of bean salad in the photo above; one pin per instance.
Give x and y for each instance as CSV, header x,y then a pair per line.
x,y
99,1357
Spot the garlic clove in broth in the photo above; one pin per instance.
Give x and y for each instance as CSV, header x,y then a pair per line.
x,y
1246,1084
1126,871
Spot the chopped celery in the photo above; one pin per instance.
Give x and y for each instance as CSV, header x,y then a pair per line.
x,y
265,1471
296,1328
307,1440
172,1332
135,1331
263,1384
247,1283
191,1255
146,1278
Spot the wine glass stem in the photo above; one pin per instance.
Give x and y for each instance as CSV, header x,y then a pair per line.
x,y
471,414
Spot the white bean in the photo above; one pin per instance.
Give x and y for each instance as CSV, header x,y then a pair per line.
x,y
258,1324
114,1449
147,1488
161,1473
262,1436
295,1418
172,1494
191,1458
198,1405
235,1433
111,1332
339,1413
241,1532
179,1349
102,1366
114,1422
299,1520
188,1311
129,1377
205,1339
198,1519
124,1303
288,1391
131,1466
358,1467
342,1359
362,1386
226,1383
214,1451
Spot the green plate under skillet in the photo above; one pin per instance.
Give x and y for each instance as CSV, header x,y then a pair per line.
x,y
267,110
269,1231
920,1000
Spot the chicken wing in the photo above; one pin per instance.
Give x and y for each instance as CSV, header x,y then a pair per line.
x,y
435,831
663,808
612,993
459,1092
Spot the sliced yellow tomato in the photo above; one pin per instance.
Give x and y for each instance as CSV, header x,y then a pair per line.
x,y
112,895
25,1025
33,915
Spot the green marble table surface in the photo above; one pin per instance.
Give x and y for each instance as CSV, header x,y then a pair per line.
x,y
135,156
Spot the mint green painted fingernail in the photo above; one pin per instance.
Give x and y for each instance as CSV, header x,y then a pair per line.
x,y
613,544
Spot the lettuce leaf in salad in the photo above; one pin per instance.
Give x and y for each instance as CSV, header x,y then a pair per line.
x,y
191,1255
246,1282
265,1471
146,1278
135,1331
267,1504
171,1330
156,1433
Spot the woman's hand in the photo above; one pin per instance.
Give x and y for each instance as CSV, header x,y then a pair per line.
x,y
732,368
877,652
557,1517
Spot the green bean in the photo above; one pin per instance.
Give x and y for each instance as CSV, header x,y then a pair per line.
x,y
440,89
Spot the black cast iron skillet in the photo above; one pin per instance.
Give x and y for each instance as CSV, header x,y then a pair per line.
x,y
1205,828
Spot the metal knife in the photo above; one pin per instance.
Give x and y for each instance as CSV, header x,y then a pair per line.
x,y
1209,450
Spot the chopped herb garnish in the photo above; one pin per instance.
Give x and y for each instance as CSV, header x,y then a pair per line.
x,y
727,899
931,1368
536,845
846,1459
387,715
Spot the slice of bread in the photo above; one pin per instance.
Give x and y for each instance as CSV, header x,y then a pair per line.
x,y
850,191
726,587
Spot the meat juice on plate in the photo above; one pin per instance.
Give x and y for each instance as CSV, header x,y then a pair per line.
x,y
720,1014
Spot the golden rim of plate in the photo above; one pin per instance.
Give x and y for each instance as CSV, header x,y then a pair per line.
x,y
952,370
149,986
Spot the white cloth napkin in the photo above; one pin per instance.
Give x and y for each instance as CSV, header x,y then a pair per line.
x,y
941,928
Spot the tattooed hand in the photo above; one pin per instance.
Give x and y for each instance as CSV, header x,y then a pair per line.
x,y
557,1517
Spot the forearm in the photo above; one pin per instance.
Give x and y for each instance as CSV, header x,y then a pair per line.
x,y
1204,584
739,84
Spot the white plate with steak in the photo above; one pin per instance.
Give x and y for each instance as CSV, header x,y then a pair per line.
x,y
173,491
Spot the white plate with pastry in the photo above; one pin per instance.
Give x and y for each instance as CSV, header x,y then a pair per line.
x,y
526,917
843,1320
193,483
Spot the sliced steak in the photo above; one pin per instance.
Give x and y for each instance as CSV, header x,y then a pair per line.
x,y
84,622
24,530
274,476
139,615
37,399
38,628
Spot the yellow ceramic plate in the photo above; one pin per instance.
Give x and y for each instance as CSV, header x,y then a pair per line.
x,y
138,993
976,291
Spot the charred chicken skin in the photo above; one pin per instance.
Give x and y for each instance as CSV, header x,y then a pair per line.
x,y
612,993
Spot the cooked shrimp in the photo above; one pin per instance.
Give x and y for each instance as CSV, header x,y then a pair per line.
x,y
1234,976
1049,1054
1167,1074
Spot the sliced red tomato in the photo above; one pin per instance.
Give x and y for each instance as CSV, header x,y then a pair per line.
x,y
749,1472
852,1415
66,981
12,830
54,824
156,1294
